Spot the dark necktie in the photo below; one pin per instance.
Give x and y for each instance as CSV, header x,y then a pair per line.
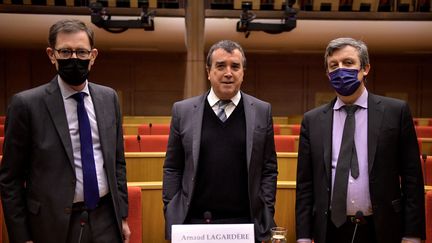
x,y
91,191
222,104
347,160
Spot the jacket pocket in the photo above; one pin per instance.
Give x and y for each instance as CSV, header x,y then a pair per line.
x,y
33,206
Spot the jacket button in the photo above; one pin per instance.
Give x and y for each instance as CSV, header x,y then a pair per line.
x,y
325,212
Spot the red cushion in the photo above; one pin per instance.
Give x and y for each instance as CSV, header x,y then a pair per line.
x,y
429,217
135,214
285,143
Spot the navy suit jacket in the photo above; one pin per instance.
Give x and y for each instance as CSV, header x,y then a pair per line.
x,y
182,159
37,174
395,174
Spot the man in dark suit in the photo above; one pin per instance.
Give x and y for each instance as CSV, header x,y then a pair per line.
x,y
382,194
44,185
220,163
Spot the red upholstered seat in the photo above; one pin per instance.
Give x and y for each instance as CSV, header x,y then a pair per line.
x,y
276,129
429,217
2,120
427,170
295,129
1,145
131,143
144,129
154,129
285,143
424,131
159,129
153,143
135,214
1,130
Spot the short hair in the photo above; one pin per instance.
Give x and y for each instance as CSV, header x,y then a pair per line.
x,y
69,26
228,46
340,43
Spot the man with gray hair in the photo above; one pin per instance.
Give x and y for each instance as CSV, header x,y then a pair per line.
x,y
359,177
220,164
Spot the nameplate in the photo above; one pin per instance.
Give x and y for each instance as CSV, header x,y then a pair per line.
x,y
213,233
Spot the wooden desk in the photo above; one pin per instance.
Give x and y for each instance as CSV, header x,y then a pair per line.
x,y
154,223
146,119
149,166
153,219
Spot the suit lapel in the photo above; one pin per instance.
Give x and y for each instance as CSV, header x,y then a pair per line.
x,y
375,115
326,127
198,112
54,102
249,110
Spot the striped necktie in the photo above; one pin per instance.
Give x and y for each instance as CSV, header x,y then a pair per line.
x,y
222,104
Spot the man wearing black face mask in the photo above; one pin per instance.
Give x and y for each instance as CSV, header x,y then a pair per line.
x,y
63,155
358,174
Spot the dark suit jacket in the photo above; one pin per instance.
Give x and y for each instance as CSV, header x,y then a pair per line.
x,y
183,155
37,175
395,177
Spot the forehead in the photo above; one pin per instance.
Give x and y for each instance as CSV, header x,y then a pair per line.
x,y
346,52
79,38
220,55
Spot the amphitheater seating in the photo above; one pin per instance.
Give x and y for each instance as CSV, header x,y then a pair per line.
x,y
145,143
1,145
427,170
285,143
424,131
428,217
154,129
135,214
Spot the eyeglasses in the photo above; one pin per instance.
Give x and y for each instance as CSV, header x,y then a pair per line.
x,y
65,53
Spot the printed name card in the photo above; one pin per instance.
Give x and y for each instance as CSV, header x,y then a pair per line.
x,y
213,233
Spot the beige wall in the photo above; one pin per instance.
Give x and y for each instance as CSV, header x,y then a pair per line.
x,y
149,82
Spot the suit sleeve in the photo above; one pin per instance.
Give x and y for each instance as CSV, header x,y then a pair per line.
x,y
304,188
270,169
174,161
15,168
120,163
412,184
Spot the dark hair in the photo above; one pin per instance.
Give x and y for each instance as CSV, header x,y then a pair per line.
x,y
228,46
340,43
68,26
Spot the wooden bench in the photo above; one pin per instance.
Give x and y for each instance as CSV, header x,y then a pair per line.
x,y
152,209
149,166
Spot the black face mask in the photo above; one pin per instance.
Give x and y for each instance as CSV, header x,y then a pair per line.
x,y
73,71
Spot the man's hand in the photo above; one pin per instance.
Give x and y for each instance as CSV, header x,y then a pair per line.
x,y
126,231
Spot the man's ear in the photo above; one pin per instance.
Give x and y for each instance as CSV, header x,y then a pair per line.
x,y
51,55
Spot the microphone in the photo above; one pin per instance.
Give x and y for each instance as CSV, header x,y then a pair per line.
x,y
207,217
424,158
139,142
358,219
150,128
83,221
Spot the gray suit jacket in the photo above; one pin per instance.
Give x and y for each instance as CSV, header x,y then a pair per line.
x,y
183,155
37,175
395,175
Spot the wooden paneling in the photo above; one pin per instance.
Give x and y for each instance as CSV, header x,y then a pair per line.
x,y
150,82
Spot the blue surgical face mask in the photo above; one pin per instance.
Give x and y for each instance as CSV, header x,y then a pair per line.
x,y
344,81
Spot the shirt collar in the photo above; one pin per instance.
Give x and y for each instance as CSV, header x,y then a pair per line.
x,y
213,99
361,101
67,91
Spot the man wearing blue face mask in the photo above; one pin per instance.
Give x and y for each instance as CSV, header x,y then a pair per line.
x,y
63,173
359,176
